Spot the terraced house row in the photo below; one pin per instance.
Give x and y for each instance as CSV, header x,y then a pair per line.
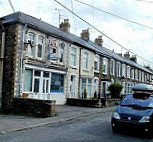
x,y
43,62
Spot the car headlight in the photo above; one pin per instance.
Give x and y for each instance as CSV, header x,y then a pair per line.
x,y
144,119
116,115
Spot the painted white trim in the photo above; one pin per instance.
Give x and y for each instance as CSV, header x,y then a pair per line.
x,y
44,69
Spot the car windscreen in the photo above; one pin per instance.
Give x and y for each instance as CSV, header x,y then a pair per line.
x,y
141,100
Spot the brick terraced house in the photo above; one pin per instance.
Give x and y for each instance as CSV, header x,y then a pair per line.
x,y
43,62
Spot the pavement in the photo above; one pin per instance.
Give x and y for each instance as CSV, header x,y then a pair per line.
x,y
12,123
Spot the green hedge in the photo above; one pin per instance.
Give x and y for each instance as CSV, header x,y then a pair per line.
x,y
115,90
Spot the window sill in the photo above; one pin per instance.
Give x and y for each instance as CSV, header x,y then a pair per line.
x,y
85,70
73,67
96,71
105,74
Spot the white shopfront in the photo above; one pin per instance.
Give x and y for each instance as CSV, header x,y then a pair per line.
x,y
45,84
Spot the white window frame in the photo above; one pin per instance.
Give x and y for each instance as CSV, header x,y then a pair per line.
x,y
31,44
112,67
74,54
42,44
123,70
105,63
140,75
136,74
118,69
86,61
132,74
97,58
128,72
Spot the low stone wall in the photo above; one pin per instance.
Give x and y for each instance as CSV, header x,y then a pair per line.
x,y
111,102
40,108
84,102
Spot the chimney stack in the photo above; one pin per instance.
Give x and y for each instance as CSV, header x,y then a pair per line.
x,y
99,41
65,26
85,34
134,58
127,55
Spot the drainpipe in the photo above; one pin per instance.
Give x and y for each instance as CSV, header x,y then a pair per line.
x,y
80,71
2,55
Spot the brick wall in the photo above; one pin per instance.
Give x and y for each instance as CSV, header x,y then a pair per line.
x,y
41,108
9,67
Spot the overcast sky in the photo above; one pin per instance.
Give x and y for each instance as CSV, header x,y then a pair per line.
x,y
134,37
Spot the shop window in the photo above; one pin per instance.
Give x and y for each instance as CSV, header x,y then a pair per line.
x,y
57,83
36,85
28,80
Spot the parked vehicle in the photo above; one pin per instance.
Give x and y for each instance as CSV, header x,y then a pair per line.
x,y
135,111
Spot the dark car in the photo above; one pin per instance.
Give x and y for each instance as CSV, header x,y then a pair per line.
x,y
135,111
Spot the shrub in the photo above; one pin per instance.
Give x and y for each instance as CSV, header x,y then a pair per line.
x,y
115,90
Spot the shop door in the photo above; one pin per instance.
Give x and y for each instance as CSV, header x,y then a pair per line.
x,y
45,90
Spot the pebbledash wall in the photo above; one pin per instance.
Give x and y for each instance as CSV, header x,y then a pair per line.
x,y
44,62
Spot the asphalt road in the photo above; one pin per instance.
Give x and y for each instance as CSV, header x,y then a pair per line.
x,y
95,128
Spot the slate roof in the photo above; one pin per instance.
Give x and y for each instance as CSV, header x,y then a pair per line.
x,y
35,23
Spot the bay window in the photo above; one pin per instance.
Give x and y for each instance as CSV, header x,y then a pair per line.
x,y
27,86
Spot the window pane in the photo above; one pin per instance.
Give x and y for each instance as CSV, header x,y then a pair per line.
x,y
57,83
36,85
28,80
39,50
45,74
37,73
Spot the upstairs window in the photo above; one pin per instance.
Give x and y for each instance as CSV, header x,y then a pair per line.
x,y
96,63
85,60
128,72
31,41
123,70
118,69
132,74
73,56
140,76
62,45
112,67
136,74
40,46
105,66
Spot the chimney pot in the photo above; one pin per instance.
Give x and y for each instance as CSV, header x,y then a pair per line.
x,y
85,34
65,26
99,41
